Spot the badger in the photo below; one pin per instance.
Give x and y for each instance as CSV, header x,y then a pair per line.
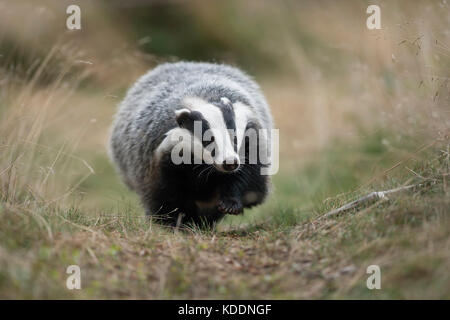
x,y
162,111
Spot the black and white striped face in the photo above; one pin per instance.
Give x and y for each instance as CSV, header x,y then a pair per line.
x,y
219,126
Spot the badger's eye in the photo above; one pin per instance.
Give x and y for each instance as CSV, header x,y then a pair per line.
x,y
212,139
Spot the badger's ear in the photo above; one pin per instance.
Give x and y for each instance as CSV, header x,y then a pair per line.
x,y
182,116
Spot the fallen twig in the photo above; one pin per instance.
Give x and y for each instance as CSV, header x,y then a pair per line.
x,y
376,195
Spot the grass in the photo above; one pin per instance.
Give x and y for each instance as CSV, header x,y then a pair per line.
x,y
352,121
276,252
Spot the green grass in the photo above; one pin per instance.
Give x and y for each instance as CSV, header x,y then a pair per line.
x,y
280,250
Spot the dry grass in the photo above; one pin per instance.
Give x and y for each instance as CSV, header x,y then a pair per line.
x,y
358,111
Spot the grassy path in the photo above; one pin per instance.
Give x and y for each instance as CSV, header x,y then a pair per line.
x,y
276,253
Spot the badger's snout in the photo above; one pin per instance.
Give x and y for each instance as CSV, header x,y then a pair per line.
x,y
229,165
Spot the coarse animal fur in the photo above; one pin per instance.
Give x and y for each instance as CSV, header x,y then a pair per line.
x,y
165,101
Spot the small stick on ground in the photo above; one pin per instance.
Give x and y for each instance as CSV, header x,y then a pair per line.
x,y
376,195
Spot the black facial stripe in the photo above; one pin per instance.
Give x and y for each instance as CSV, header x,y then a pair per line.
x,y
229,118
197,116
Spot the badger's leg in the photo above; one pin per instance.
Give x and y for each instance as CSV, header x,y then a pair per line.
x,y
230,204
244,189
164,197
166,190
231,188
257,189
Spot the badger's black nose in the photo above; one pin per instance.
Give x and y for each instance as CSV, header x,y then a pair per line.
x,y
230,164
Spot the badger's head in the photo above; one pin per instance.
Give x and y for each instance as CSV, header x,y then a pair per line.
x,y
220,126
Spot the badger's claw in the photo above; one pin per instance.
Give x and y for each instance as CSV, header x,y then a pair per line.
x,y
230,206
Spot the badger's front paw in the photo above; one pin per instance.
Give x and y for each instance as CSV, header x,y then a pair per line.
x,y
230,206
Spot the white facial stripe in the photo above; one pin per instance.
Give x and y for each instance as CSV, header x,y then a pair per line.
x,y
243,114
211,113
225,100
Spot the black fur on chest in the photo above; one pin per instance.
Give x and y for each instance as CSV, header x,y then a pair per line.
x,y
200,193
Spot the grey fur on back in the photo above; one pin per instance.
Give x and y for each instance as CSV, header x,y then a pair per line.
x,y
147,112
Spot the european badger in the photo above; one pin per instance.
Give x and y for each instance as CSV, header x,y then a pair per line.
x,y
165,103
